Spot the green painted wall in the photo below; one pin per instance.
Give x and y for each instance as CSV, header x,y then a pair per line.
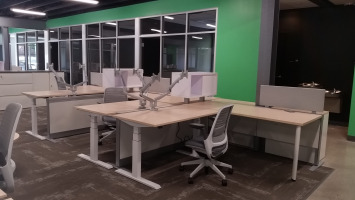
x,y
237,36
351,128
17,30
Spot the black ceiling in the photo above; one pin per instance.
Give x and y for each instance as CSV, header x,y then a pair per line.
x,y
58,8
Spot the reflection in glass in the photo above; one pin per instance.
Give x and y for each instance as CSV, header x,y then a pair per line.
x,y
21,56
173,55
40,36
126,28
53,34
40,56
75,32
53,50
93,56
108,29
31,36
77,60
93,31
31,56
20,37
174,23
64,33
202,21
150,25
200,52
64,59
108,53
126,53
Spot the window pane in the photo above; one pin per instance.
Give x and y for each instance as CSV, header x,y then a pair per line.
x,y
64,59
40,56
93,56
150,25
174,23
53,48
77,60
202,21
64,33
31,56
108,29
93,31
40,35
173,55
126,28
108,53
126,53
20,37
76,32
53,34
31,36
21,56
200,52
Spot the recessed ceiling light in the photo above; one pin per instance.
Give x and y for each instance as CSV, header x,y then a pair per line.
x,y
211,25
87,1
168,17
27,12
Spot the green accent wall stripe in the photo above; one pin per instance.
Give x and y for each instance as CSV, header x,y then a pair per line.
x,y
351,128
18,30
237,42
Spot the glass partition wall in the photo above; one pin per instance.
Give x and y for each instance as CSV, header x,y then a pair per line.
x,y
168,43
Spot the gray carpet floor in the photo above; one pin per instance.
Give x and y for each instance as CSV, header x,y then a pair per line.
x,y
48,170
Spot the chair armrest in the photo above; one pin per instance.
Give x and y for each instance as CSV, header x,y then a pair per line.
x,y
197,125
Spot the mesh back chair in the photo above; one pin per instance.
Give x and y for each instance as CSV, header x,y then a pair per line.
x,y
7,132
212,145
112,95
60,83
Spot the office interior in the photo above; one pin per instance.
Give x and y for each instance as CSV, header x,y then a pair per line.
x,y
248,43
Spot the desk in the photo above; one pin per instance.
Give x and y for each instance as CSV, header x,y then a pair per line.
x,y
82,90
107,109
182,112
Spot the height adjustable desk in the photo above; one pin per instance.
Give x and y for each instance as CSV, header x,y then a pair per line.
x,y
88,94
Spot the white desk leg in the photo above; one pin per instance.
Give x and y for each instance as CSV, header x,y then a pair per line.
x,y
295,153
136,161
34,131
94,139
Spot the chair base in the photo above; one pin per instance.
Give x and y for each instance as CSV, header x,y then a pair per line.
x,y
203,162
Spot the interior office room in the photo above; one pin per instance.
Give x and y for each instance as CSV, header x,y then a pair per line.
x,y
276,76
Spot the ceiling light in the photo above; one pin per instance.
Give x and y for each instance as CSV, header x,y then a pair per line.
x,y
51,31
111,23
27,12
94,36
211,25
87,1
168,17
199,38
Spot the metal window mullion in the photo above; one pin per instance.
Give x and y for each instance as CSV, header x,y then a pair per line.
x,y
117,43
137,44
186,38
161,46
215,43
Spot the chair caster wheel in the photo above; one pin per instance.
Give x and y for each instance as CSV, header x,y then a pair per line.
x,y
190,180
181,168
230,171
206,170
224,182
99,143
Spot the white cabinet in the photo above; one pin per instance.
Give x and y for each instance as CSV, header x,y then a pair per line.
x,y
12,85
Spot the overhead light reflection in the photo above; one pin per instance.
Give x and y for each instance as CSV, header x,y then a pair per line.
x,y
156,30
211,25
199,38
169,17
87,1
111,23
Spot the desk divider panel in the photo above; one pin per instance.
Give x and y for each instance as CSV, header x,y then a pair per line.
x,y
131,80
292,97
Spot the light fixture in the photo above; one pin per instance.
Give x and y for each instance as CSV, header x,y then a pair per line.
x,y
168,17
87,1
94,36
51,31
199,38
111,23
27,12
156,30
211,25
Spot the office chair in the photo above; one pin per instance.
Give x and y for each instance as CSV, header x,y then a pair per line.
x,y
7,132
60,83
111,95
212,145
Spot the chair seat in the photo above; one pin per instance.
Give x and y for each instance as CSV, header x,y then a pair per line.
x,y
109,120
198,145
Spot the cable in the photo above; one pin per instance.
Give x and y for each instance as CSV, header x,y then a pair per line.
x,y
177,133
